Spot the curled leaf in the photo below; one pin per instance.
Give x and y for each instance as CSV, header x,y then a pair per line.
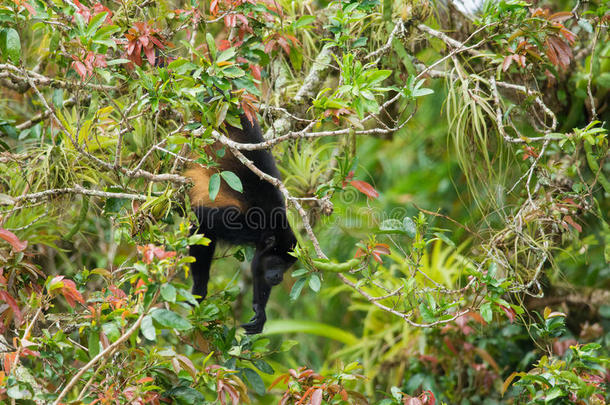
x,y
13,240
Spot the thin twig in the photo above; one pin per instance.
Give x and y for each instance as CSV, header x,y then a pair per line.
x,y
77,189
99,356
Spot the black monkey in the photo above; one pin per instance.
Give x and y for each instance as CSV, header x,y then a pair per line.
x,y
255,216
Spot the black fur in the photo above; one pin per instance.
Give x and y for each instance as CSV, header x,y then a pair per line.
x,y
263,224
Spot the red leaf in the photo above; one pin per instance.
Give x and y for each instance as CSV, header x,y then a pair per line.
x,y
359,253
365,188
507,61
256,71
316,397
450,345
242,18
558,51
9,360
568,35
409,400
157,42
284,44
382,248
223,45
71,294
510,313
561,16
430,399
6,297
347,179
477,317
214,7
230,20
571,221
269,46
550,52
13,240
28,7
150,54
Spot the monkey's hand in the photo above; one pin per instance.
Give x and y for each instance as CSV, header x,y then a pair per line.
x,y
256,323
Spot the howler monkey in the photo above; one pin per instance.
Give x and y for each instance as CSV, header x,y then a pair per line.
x,y
255,216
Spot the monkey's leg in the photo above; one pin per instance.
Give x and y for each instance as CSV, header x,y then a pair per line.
x,y
200,268
261,292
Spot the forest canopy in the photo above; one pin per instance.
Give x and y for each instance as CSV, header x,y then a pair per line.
x,y
444,166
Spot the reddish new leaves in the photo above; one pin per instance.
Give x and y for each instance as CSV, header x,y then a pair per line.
x,y
281,40
143,37
14,307
13,240
84,66
248,105
313,387
150,251
67,289
425,398
373,249
88,13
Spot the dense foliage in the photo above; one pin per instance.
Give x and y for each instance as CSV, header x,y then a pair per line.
x,y
446,172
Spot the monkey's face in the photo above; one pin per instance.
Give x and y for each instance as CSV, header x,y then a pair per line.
x,y
275,259
275,266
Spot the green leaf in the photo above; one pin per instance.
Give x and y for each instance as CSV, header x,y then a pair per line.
x,y
603,80
106,31
214,186
263,366
391,226
147,328
95,23
287,345
422,92
170,319
18,392
314,282
444,238
296,289
286,326
10,44
211,44
186,396
111,330
486,312
304,21
426,314
93,343
255,381
553,393
409,227
187,296
232,180
226,55
232,72
360,42
378,76
117,62
168,292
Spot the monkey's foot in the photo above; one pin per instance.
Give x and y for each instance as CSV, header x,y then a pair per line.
x,y
255,325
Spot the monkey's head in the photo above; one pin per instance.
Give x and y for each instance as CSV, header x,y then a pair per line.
x,y
274,258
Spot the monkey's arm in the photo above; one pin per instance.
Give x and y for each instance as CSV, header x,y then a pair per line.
x,y
261,292
200,268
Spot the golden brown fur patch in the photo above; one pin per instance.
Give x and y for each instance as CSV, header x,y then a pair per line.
x,y
199,194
